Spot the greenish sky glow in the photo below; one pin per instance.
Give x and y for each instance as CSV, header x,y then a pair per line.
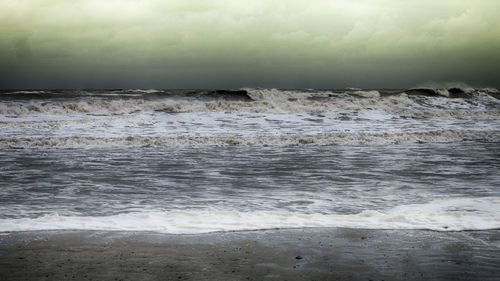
x,y
258,43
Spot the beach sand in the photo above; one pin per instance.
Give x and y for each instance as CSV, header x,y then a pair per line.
x,y
292,254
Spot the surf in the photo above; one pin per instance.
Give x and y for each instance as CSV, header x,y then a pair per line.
x,y
455,214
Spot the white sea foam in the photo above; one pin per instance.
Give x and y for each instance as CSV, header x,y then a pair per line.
x,y
444,136
264,101
441,215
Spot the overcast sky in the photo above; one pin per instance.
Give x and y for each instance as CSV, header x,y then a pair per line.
x,y
257,43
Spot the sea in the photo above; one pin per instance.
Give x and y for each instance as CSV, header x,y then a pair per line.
x,y
199,161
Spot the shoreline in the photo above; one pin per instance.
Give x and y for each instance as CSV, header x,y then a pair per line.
x,y
278,254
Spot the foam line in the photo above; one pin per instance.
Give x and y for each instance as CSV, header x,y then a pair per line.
x,y
441,215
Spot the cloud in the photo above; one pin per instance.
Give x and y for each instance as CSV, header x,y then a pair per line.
x,y
177,37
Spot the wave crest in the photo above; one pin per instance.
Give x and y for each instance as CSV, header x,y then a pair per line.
x,y
263,101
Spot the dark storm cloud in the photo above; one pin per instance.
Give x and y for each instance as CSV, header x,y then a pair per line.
x,y
216,43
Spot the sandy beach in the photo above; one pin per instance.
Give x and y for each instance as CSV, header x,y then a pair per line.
x,y
295,254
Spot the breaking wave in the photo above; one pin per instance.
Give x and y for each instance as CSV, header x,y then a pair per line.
x,y
441,136
441,215
412,102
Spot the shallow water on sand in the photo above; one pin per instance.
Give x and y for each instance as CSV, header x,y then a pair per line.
x,y
328,180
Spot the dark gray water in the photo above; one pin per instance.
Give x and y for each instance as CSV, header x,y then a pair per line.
x,y
311,179
194,161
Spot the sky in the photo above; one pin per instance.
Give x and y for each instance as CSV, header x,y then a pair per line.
x,y
257,43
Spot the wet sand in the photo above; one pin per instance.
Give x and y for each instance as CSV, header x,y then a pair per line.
x,y
296,254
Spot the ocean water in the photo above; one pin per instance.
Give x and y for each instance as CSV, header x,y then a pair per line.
x,y
194,161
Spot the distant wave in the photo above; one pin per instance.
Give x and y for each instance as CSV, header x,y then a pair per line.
x,y
439,136
456,214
